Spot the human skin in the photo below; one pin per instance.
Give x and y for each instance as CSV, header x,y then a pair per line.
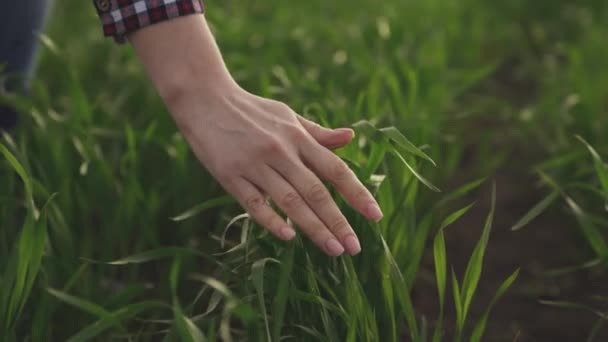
x,y
253,146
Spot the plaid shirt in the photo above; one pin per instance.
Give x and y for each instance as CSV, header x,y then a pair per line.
x,y
120,17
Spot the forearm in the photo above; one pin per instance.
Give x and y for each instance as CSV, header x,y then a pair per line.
x,y
182,59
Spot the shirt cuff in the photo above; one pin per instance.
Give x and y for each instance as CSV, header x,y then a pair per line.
x,y
120,17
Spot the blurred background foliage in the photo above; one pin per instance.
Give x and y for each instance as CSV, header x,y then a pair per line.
x,y
489,90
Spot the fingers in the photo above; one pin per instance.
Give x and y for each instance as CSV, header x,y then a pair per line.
x,y
330,138
319,219
331,168
322,214
252,200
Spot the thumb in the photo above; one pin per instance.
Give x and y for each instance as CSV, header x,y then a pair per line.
x,y
330,138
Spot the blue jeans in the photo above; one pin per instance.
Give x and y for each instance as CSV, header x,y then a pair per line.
x,y
21,21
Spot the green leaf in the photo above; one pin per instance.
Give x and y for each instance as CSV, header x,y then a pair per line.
x,y
402,142
79,303
188,331
457,304
14,163
369,130
216,284
475,264
376,156
114,318
257,276
596,329
312,298
461,191
152,255
439,256
423,180
538,209
481,324
232,304
572,305
565,270
591,232
455,216
402,291
279,305
212,203
600,168
21,271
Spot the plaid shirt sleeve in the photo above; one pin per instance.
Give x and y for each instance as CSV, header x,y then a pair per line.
x,y
119,17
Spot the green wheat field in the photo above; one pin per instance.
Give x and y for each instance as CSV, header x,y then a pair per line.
x,y
481,128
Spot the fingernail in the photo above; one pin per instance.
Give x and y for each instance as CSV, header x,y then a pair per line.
x,y
334,248
287,233
351,133
374,212
352,245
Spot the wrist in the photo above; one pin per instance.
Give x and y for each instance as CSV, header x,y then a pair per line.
x,y
187,86
183,62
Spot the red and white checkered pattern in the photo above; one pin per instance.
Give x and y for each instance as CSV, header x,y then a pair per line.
x,y
125,16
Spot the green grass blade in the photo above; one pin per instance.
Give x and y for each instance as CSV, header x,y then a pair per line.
x,y
423,180
152,255
389,297
79,303
576,306
457,305
556,272
591,232
402,291
369,131
257,277
210,204
481,325
439,256
440,260
453,217
119,316
475,264
538,209
187,330
336,310
21,271
596,329
461,191
600,167
16,165
279,304
402,142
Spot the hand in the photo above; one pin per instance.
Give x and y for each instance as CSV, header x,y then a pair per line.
x,y
253,146
257,147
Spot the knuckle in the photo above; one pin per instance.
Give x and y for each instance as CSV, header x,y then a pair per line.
x,y
291,200
318,193
272,146
297,133
281,107
362,194
276,106
340,171
274,223
268,221
340,226
232,166
255,205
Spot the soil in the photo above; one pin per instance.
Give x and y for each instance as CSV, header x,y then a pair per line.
x,y
551,241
